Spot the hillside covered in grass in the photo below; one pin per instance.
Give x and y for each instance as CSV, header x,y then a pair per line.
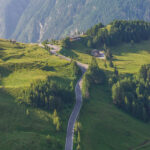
x,y
104,125
37,91
24,126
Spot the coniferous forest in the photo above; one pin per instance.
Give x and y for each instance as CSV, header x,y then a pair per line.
x,y
133,94
118,32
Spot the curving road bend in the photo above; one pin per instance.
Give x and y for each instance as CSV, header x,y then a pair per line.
x,y
78,93
75,112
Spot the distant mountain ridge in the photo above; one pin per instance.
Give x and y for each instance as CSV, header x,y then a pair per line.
x,y
37,20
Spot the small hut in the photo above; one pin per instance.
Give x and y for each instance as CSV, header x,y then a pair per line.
x,y
13,41
75,38
95,53
98,53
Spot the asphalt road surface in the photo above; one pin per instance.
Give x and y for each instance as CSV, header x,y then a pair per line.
x,y
78,93
75,112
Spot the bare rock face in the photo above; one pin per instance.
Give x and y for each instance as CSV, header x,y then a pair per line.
x,y
37,20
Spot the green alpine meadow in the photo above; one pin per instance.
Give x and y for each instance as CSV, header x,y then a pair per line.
x,y
74,75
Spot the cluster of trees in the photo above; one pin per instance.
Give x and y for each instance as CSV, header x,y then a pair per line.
x,y
77,137
45,45
114,77
94,75
109,56
47,48
56,120
66,42
45,42
94,30
117,32
49,94
52,41
76,71
133,94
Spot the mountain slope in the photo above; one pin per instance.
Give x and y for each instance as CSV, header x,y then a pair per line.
x,y
10,13
38,20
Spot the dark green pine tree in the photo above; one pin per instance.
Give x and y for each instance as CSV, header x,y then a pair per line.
x,y
97,75
66,42
143,72
76,71
111,63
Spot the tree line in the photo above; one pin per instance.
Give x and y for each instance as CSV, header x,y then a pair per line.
x,y
117,32
94,75
132,94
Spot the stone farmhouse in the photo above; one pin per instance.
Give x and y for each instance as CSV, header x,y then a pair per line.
x,y
98,53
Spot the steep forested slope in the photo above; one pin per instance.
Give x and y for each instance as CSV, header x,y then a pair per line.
x,y
37,20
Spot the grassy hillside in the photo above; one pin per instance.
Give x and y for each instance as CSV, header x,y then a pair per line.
x,y
23,127
126,57
129,58
21,64
104,126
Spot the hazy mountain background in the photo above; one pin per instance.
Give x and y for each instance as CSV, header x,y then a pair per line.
x,y
36,20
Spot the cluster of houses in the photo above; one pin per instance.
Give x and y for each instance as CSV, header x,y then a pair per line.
x,y
75,38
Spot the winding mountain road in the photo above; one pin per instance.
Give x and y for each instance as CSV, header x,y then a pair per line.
x,y
75,112
78,93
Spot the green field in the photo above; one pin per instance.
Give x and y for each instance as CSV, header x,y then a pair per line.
x,y
104,126
127,58
23,127
28,132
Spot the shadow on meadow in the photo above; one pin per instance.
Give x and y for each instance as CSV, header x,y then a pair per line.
x,y
126,48
13,57
69,53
